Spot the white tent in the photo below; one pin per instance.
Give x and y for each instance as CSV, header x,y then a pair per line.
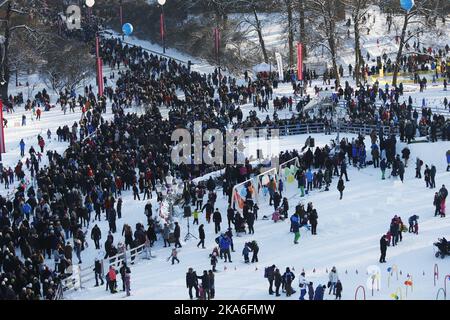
x,y
263,67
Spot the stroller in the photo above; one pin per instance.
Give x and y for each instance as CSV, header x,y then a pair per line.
x,y
444,248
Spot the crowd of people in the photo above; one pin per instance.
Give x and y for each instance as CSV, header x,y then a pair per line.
x,y
47,217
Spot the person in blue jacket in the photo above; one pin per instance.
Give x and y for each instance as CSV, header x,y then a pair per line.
x,y
26,209
295,225
22,148
245,253
318,294
224,245
309,178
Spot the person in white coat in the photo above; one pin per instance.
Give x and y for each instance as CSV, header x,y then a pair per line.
x,y
333,277
303,284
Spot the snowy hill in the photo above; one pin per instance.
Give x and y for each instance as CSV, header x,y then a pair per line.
x,y
347,237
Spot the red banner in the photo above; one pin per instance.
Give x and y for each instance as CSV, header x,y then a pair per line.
x,y
161,26
299,61
2,131
217,42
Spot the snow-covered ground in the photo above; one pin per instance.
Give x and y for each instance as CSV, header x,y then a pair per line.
x,y
348,238
348,232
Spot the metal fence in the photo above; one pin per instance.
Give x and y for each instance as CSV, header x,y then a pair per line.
x,y
80,277
310,128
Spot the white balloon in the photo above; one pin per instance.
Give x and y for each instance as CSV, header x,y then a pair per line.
x,y
90,3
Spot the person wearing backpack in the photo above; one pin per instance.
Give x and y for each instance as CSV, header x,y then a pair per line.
x,y
288,277
269,274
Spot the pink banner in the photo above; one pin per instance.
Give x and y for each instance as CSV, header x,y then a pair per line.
x,y
299,61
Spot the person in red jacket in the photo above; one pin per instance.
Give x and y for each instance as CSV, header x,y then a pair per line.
x,y
42,144
38,114
112,279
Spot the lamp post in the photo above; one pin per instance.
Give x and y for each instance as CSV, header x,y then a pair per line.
x,y
162,25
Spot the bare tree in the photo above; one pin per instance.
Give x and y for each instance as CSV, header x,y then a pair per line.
x,y
17,15
417,18
254,22
359,8
68,67
324,12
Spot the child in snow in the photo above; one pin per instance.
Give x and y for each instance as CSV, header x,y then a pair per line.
x,y
173,255
213,257
338,290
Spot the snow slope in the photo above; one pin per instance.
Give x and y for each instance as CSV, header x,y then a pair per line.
x,y
348,231
348,238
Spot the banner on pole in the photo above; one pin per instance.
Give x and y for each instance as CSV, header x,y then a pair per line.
x,y
161,24
299,61
279,60
217,42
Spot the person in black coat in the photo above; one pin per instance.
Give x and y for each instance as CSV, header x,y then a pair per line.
x,y
341,187
230,216
313,220
96,235
270,273
344,170
192,282
383,248
112,220
201,235
217,219
276,200
205,283
250,223
98,272
278,281
338,290
176,234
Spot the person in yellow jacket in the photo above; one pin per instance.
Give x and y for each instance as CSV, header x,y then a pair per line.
x,y
195,214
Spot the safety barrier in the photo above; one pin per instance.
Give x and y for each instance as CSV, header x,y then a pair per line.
x,y
81,276
310,128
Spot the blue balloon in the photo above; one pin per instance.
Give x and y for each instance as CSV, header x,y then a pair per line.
x,y
243,192
389,269
127,29
407,4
